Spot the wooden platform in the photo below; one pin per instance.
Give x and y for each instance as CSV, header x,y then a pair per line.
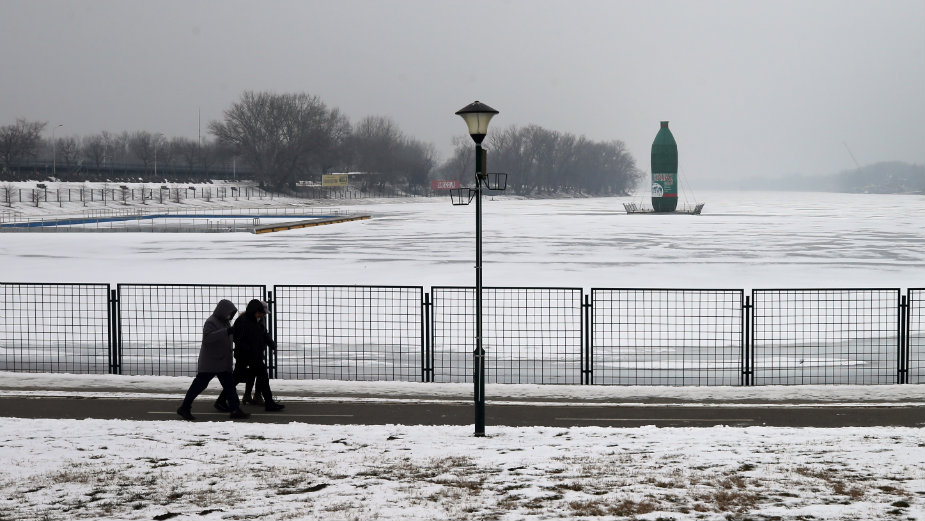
x,y
295,225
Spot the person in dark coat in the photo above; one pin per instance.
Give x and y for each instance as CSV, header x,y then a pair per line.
x,y
251,341
215,361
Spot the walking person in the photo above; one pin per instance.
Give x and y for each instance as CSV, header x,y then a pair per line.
x,y
215,361
251,341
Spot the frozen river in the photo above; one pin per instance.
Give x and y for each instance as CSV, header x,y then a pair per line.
x,y
742,240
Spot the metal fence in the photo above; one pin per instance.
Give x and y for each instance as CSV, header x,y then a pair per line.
x,y
349,332
160,326
822,336
531,335
915,337
55,328
667,337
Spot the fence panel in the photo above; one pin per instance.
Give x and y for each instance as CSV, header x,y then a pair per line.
x,y
667,337
161,324
349,332
915,337
55,328
530,335
826,336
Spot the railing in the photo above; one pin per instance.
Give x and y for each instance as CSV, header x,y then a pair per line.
x,y
7,216
914,353
174,220
62,328
531,335
348,332
160,326
829,335
668,337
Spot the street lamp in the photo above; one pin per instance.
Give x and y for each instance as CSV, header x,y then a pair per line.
x,y
477,115
54,153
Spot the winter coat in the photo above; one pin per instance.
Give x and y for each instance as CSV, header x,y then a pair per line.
x,y
250,335
215,355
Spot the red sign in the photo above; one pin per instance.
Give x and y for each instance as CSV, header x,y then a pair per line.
x,y
444,185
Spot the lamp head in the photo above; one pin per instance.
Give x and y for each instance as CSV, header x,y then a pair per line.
x,y
477,115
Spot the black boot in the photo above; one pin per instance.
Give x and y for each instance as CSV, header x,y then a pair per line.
x,y
239,415
186,414
222,406
273,406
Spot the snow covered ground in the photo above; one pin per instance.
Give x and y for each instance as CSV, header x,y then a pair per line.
x,y
97,469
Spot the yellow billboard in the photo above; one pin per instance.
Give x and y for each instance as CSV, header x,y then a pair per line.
x,y
334,180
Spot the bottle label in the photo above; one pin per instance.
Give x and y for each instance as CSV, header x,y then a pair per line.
x,y
664,185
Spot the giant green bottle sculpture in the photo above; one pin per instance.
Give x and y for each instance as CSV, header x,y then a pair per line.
x,y
664,171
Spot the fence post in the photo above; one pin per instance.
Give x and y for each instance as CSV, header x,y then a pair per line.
x,y
903,342
271,324
587,376
427,353
115,334
748,358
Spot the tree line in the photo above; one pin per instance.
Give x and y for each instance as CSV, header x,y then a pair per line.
x,y
540,161
22,147
281,139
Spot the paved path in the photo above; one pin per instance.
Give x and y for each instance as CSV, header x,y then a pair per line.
x,y
454,412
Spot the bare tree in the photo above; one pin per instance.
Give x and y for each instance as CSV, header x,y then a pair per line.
x,y
8,189
281,136
374,144
540,160
141,145
68,150
20,140
116,147
94,150
173,152
210,154
188,151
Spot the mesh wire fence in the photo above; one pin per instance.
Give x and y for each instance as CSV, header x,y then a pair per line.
x,y
161,325
349,332
916,337
530,335
828,336
667,337
55,328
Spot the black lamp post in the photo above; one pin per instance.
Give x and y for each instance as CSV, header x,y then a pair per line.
x,y
477,115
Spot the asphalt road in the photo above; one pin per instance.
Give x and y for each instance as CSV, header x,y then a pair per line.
x,y
456,413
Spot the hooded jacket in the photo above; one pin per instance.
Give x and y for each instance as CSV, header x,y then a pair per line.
x,y
215,355
250,335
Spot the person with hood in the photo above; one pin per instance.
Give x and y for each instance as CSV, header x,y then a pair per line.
x,y
251,341
215,361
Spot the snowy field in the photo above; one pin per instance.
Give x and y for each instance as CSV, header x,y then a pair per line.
x,y
118,470
114,470
171,470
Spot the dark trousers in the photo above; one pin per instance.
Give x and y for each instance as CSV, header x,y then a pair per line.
x,y
254,371
229,393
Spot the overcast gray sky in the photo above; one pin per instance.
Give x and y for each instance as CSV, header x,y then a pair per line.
x,y
751,87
